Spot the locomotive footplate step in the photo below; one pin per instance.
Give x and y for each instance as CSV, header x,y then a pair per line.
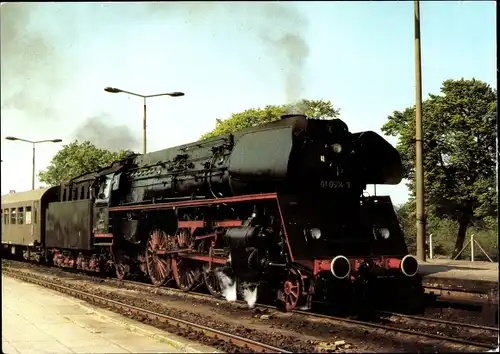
x,y
39,320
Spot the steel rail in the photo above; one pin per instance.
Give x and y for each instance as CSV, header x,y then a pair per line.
x,y
238,341
436,320
403,330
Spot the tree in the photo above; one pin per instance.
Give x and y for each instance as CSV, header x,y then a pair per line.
x,y
78,158
256,116
459,134
406,217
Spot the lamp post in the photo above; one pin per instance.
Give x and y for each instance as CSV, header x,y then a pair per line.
x,y
419,168
144,97
34,143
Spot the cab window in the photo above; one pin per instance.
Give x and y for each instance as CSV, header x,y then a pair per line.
x,y
105,189
6,217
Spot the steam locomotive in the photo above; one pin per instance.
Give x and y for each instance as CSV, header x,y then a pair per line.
x,y
279,207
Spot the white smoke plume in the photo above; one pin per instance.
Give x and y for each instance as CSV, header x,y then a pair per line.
x,y
105,135
37,65
249,294
228,286
278,26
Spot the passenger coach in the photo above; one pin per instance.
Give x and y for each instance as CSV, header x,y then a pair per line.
x,y
23,220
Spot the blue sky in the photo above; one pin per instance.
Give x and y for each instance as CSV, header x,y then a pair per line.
x,y
57,58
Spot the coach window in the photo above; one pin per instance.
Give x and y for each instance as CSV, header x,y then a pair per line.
x,y
64,195
82,192
27,214
34,215
20,215
6,216
13,215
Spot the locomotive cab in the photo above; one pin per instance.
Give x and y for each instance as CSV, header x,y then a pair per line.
x,y
101,206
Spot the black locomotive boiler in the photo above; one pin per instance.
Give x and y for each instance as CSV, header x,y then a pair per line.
x,y
279,206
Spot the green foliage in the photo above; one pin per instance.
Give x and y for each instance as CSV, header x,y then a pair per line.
x,y
444,234
256,116
76,159
407,221
443,239
459,134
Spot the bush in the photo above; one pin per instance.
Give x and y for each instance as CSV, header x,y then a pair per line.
x,y
444,233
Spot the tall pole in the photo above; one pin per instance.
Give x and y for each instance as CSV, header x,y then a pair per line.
x,y
144,97
33,143
144,129
33,172
419,168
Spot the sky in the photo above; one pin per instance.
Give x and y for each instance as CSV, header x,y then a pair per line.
x,y
56,59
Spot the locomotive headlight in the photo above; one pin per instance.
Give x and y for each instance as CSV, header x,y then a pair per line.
x,y
384,233
315,233
337,148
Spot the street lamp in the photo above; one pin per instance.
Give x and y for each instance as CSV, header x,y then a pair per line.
x,y
13,138
144,97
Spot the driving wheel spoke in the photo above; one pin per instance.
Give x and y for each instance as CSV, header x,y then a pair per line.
x,y
185,276
120,271
211,281
158,268
292,288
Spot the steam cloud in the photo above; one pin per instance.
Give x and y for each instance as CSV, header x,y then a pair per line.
x,y
31,67
229,289
104,136
280,28
35,71
228,286
249,294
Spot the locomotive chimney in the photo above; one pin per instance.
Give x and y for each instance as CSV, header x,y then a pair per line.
x,y
293,115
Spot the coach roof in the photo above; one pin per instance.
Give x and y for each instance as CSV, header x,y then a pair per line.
x,y
27,196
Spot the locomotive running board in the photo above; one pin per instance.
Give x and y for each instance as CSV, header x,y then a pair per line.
x,y
195,203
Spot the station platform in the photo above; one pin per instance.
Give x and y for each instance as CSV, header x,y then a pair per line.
x,y
40,320
466,270
461,281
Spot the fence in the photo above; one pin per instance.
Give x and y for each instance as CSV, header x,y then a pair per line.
x,y
471,242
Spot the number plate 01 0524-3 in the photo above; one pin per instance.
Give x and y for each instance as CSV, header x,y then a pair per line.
x,y
335,184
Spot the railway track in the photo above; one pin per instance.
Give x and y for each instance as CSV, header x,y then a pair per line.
x,y
415,326
417,321
238,341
